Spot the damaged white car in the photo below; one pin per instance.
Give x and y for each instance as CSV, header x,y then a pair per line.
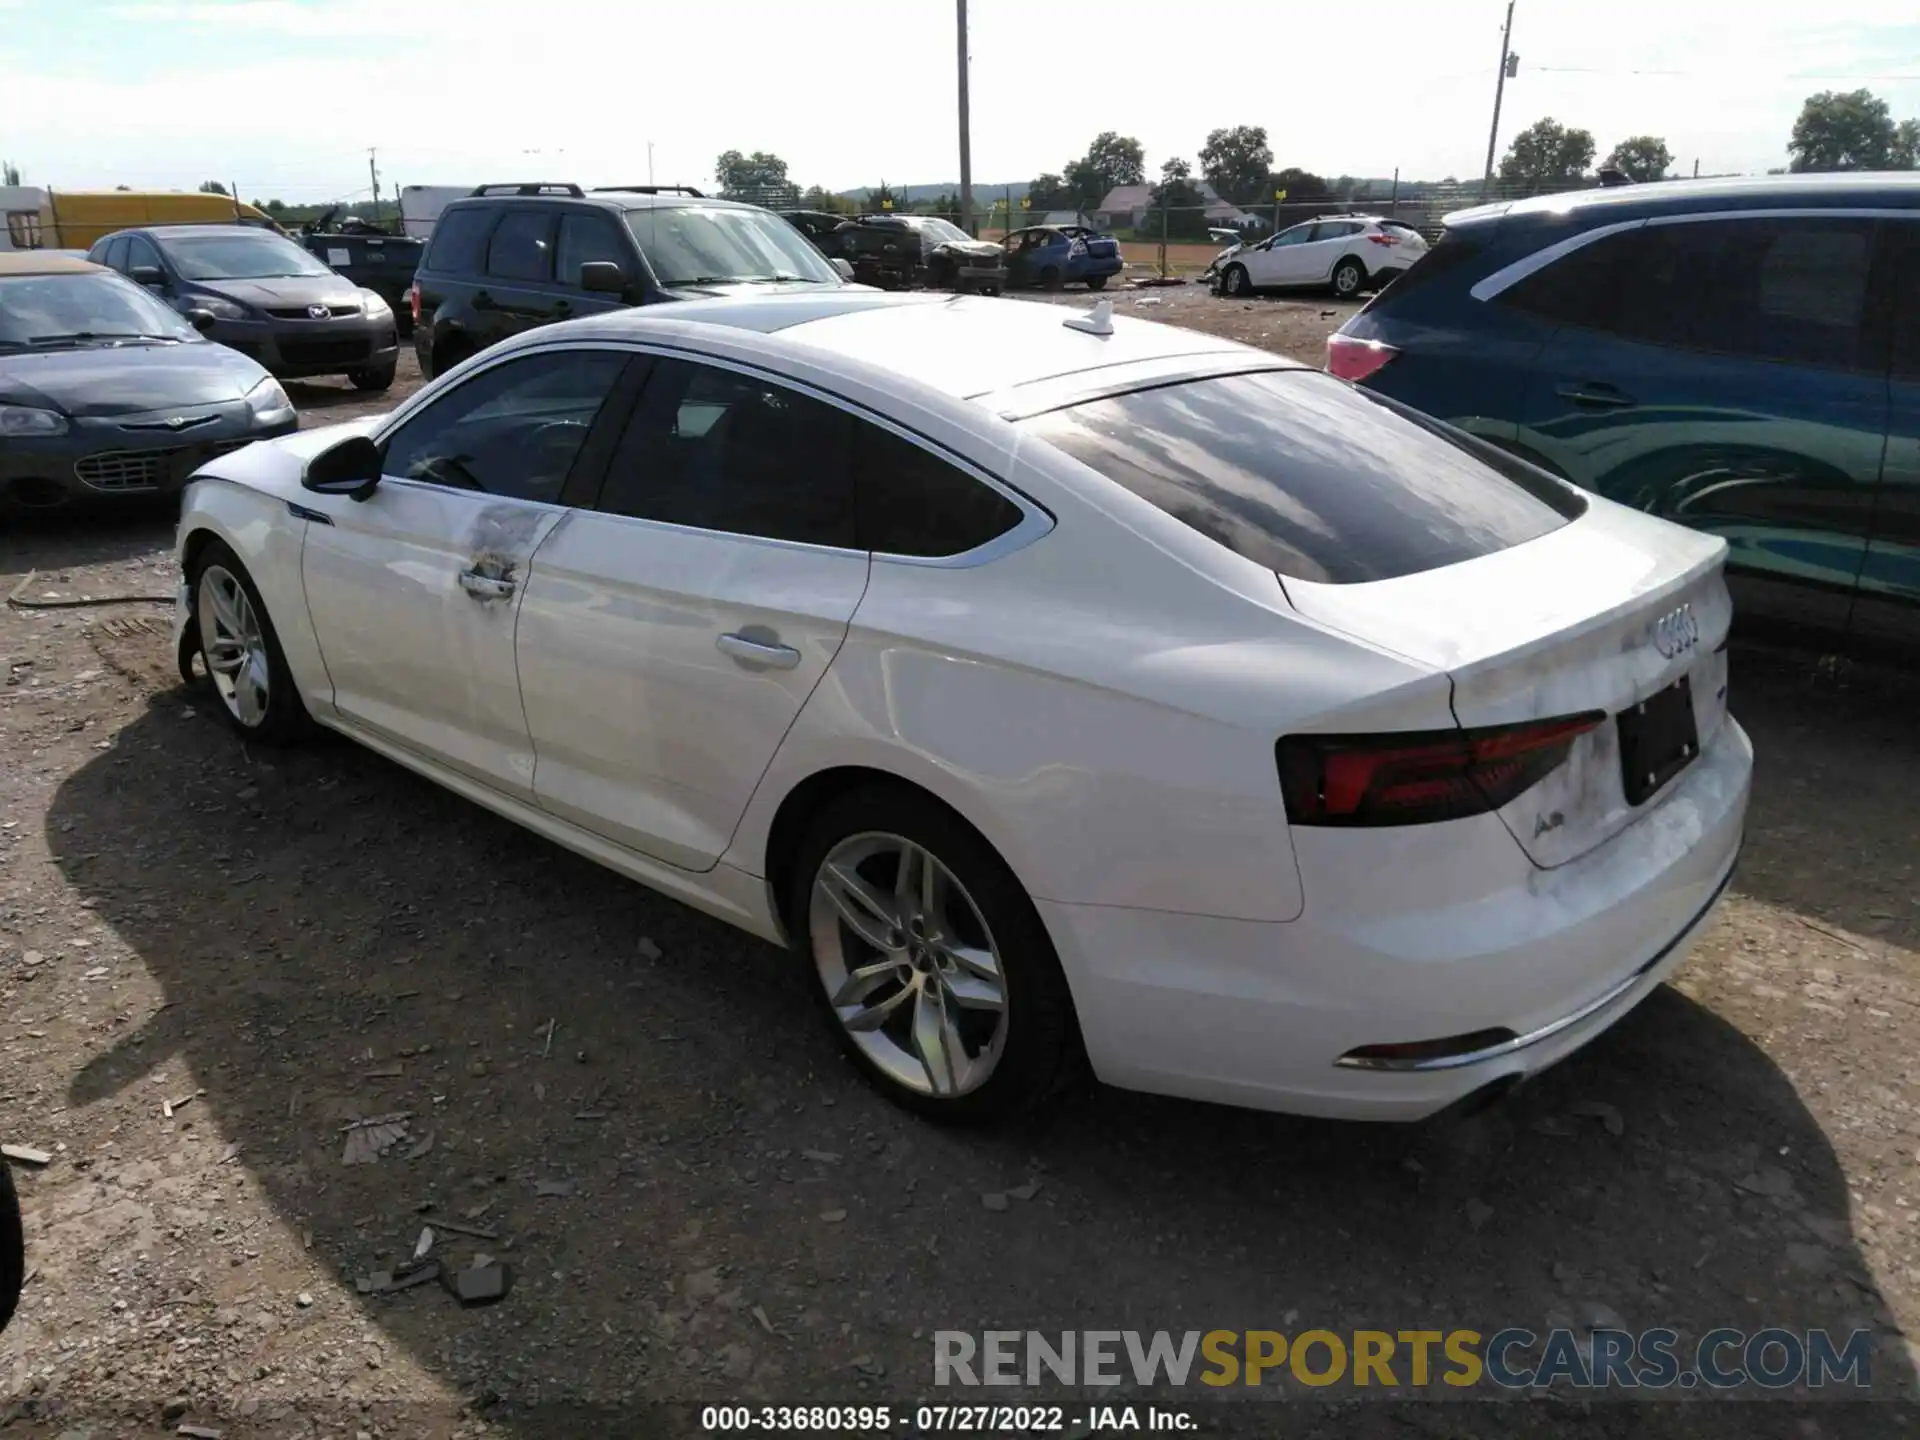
x,y
1054,684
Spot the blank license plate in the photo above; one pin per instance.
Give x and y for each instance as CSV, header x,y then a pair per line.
x,y
1658,739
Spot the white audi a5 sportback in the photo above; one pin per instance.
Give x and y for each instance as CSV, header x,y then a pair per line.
x,y
1047,680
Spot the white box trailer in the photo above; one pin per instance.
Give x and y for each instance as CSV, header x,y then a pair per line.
x,y
21,207
420,206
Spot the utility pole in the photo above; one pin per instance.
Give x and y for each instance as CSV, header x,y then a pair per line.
x,y
966,137
373,174
1499,88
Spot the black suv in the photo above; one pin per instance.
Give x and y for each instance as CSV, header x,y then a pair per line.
x,y
510,257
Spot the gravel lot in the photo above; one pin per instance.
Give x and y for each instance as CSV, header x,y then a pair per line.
x,y
701,1203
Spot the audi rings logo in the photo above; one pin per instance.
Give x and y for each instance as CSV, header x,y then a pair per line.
x,y
1676,632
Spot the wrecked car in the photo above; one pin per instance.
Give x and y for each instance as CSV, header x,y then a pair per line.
x,y
899,252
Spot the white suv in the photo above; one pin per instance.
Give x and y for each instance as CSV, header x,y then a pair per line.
x,y
1348,252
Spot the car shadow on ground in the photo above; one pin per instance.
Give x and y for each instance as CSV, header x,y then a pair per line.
x,y
743,1218
131,529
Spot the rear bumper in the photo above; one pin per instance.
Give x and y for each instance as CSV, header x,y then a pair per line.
x,y
1261,1015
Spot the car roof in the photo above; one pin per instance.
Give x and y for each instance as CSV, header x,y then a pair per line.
x,y
966,346
608,200
1897,189
172,232
44,262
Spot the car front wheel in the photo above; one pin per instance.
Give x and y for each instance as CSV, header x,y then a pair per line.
x,y
1235,281
379,378
936,973
241,651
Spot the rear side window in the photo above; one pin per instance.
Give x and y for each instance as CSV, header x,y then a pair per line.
x,y
911,502
1309,477
522,247
1444,257
460,240
1785,289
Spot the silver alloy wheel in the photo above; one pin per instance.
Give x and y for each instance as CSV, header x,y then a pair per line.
x,y
1346,280
909,964
235,648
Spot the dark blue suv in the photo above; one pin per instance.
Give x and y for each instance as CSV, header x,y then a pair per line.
x,y
1741,356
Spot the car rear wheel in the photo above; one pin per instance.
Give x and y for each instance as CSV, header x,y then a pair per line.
x,y
1096,282
936,974
241,651
1348,276
375,379
1235,280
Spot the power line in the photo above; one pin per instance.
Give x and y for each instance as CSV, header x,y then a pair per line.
x,y
1801,75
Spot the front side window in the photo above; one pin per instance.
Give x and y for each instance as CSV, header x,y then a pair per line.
x,y
1298,235
1314,479
713,449
587,235
706,244
514,430
51,310
234,255
522,247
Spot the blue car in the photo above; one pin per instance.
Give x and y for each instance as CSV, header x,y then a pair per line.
x,y
1046,257
1741,356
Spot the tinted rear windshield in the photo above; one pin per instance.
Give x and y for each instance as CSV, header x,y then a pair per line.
x,y
1311,477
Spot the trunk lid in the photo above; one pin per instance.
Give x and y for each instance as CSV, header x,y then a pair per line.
x,y
1606,615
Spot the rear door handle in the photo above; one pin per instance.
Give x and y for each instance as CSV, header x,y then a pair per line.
x,y
772,655
485,587
1596,393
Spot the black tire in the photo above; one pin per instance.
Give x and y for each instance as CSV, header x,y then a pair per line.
x,y
13,1246
1096,282
449,353
282,719
1039,1046
1050,278
371,380
1234,280
1349,276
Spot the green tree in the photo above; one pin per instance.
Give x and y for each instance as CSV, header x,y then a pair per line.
x,y
1236,162
1547,155
749,174
1843,130
1906,146
1180,199
1299,184
816,198
881,197
1112,159
212,187
1049,191
10,174
1641,157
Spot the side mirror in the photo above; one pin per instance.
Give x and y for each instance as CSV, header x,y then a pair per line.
x,y
350,467
151,276
201,320
603,277
841,267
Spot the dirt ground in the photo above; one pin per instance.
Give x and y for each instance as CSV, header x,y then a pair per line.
x,y
701,1203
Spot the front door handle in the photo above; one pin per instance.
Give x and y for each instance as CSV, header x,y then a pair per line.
x,y
771,654
485,587
1597,394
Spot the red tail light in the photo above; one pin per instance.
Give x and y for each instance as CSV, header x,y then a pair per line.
x,y
1420,777
1353,359
413,302
1382,239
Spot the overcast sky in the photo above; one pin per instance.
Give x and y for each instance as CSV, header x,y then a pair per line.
x,y
283,97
